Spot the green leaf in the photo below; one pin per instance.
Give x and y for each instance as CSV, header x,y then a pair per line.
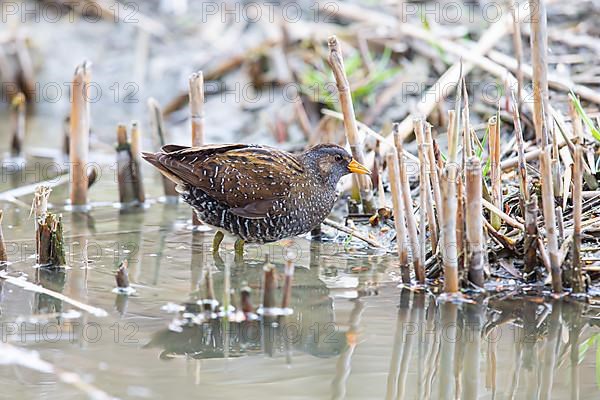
x,y
486,167
598,361
584,347
595,132
479,151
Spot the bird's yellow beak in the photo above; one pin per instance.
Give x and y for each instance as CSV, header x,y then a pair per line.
x,y
357,168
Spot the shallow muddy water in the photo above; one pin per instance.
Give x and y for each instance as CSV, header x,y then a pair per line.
x,y
352,334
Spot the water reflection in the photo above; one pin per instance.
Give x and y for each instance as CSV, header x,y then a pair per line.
x,y
453,350
352,333
310,329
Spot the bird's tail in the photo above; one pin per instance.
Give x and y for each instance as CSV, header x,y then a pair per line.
x,y
154,159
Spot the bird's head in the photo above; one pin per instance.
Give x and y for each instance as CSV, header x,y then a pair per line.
x,y
331,162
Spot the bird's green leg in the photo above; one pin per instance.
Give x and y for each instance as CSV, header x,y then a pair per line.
x,y
239,250
217,242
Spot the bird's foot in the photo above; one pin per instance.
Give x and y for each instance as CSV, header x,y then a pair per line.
x,y
217,242
239,250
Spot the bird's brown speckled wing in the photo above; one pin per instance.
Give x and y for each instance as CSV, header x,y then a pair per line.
x,y
249,179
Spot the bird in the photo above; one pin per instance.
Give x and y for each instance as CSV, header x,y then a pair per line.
x,y
258,193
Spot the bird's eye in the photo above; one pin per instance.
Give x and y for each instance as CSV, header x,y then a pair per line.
x,y
338,158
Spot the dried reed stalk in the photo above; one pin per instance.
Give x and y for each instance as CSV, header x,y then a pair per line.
x,y
518,48
524,189
539,50
246,299
399,221
3,255
159,132
550,219
449,207
433,169
409,214
18,104
495,171
136,164
287,284
474,221
196,83
269,285
555,168
426,180
50,249
79,134
577,278
124,171
26,69
467,137
531,238
122,275
336,62
460,223
39,209
354,232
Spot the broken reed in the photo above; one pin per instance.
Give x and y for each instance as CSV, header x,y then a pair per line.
x,y
577,278
539,50
474,221
336,61
3,255
159,133
550,219
196,88
409,214
495,171
18,104
269,286
122,275
449,209
399,222
131,190
79,135
425,195
50,249
287,284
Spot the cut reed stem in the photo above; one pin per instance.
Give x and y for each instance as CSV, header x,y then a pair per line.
x,y
531,238
18,105
577,278
399,220
49,231
433,169
79,135
409,214
287,284
474,223
550,219
539,50
426,181
159,132
124,167
136,162
3,255
122,275
495,171
449,207
196,83
269,285
336,62
524,189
